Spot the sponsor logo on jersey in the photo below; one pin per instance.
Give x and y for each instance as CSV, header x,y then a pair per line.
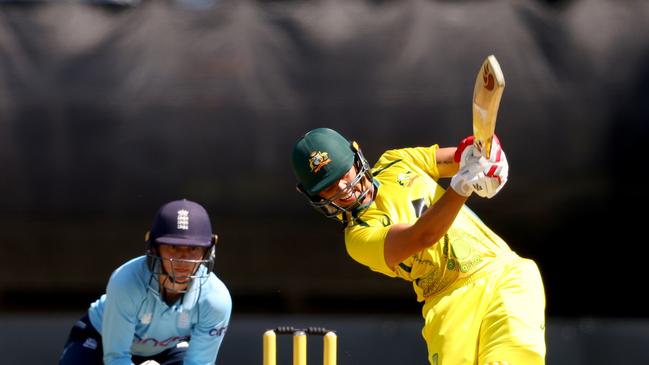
x,y
218,331
160,343
318,160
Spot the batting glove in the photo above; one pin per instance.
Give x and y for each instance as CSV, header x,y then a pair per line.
x,y
492,178
464,150
471,167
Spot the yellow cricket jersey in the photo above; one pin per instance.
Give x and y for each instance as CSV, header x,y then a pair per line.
x,y
407,186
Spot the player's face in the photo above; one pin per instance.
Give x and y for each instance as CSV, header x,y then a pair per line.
x,y
345,193
181,261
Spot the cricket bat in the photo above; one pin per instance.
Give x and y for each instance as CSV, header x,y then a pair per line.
x,y
488,89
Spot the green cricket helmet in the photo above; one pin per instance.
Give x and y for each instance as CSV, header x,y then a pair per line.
x,y
320,158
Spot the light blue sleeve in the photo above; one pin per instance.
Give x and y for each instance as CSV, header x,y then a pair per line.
x,y
123,296
207,335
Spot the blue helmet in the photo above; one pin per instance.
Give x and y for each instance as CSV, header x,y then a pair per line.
x,y
181,223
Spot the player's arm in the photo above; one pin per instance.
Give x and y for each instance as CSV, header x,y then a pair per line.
x,y
404,240
120,313
446,164
212,325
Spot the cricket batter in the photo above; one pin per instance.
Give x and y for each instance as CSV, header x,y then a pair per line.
x,y
166,306
482,303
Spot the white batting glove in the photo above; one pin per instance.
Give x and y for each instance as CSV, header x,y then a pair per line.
x,y
472,167
464,150
493,176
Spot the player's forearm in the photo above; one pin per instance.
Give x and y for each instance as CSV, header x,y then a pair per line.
x,y
433,224
403,240
446,165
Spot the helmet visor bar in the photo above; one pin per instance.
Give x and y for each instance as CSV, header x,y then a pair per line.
x,y
178,273
329,207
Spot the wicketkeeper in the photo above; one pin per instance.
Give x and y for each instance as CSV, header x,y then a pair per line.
x,y
166,306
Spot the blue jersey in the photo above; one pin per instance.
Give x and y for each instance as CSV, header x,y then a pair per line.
x,y
133,319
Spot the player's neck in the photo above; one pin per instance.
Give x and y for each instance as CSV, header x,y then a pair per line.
x,y
171,292
170,297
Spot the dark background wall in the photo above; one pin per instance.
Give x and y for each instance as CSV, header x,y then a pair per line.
x,y
106,112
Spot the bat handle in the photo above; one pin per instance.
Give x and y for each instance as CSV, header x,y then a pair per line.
x,y
484,147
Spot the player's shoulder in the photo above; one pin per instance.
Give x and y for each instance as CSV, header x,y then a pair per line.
x,y
389,156
215,292
133,266
405,158
392,156
215,284
130,274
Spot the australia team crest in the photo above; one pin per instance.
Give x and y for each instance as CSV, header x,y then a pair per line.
x,y
318,160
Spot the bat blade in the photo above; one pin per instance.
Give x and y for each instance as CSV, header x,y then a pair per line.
x,y
487,92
